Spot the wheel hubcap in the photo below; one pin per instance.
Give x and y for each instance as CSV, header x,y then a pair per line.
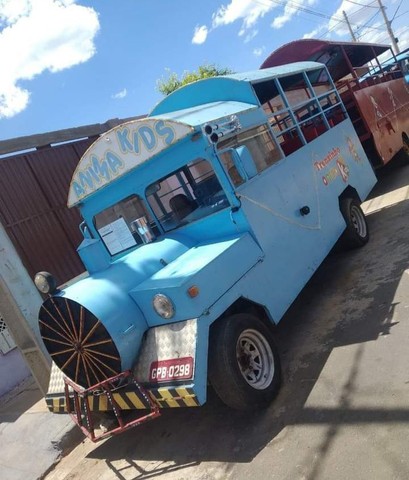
x,y
358,221
255,359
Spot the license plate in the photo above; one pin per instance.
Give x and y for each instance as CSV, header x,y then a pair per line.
x,y
173,369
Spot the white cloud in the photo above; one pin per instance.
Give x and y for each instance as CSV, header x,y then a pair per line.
x,y
40,35
315,32
250,36
290,9
259,51
12,10
247,10
367,24
122,94
200,34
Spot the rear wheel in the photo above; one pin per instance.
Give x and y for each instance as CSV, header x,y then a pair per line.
x,y
244,366
356,233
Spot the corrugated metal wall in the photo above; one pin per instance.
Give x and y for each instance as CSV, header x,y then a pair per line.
x,y
33,197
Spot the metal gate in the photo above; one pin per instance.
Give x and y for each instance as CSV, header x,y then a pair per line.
x,y
33,195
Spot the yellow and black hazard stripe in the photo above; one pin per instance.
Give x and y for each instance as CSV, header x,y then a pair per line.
x,y
126,400
56,404
164,397
171,397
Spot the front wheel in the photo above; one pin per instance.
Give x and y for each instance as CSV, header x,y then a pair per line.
x,y
356,233
244,366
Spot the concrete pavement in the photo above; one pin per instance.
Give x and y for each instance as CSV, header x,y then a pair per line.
x,y
32,439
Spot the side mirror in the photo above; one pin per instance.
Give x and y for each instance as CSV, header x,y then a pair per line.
x,y
85,230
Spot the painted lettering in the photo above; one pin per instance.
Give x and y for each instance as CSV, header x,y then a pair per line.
x,y
124,143
114,162
148,137
97,171
331,155
130,141
100,169
164,131
86,179
136,142
79,191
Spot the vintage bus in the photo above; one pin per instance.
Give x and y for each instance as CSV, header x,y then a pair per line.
x,y
375,94
202,223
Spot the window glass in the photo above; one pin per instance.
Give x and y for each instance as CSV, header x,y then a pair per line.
x,y
120,225
227,160
295,88
320,81
260,143
186,195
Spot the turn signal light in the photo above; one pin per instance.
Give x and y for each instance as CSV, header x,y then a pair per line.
x,y
193,291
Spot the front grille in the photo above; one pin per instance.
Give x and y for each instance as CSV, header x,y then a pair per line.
x,y
78,342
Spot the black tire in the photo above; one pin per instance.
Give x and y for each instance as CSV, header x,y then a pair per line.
x,y
236,342
356,233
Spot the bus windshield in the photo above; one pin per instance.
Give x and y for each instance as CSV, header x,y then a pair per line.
x,y
186,195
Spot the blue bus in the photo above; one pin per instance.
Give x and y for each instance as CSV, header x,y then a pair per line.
x,y
202,223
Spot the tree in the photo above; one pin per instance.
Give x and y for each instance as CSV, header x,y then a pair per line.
x,y
173,82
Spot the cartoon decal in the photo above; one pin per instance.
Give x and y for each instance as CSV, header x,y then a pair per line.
x,y
336,164
352,150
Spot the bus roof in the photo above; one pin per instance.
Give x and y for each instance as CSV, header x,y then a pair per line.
x,y
327,52
235,87
199,115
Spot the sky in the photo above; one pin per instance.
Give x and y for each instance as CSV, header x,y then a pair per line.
x,y
67,63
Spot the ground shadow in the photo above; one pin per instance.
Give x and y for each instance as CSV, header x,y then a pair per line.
x,y
19,400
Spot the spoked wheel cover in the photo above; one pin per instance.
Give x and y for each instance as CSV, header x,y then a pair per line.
x,y
78,342
358,221
255,359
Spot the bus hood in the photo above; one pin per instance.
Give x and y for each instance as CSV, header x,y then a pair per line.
x,y
211,267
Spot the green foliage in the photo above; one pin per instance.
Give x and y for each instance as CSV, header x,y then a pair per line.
x,y
173,82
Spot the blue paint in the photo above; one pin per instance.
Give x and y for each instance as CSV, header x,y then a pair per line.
x,y
146,135
247,241
105,167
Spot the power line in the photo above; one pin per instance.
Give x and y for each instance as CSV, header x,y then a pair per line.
x,y
396,11
360,4
368,22
340,21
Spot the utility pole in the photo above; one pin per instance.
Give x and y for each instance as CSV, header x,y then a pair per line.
x,y
349,26
389,27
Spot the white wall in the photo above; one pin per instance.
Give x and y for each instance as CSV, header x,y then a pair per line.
x,y
13,370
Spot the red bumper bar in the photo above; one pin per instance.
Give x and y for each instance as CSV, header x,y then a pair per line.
x,y
77,403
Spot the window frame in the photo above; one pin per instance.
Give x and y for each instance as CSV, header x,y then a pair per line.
x,y
190,189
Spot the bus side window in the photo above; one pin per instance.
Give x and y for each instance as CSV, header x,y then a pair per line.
x,y
260,143
230,167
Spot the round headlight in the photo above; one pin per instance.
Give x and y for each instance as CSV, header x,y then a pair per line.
x,y
163,306
45,282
